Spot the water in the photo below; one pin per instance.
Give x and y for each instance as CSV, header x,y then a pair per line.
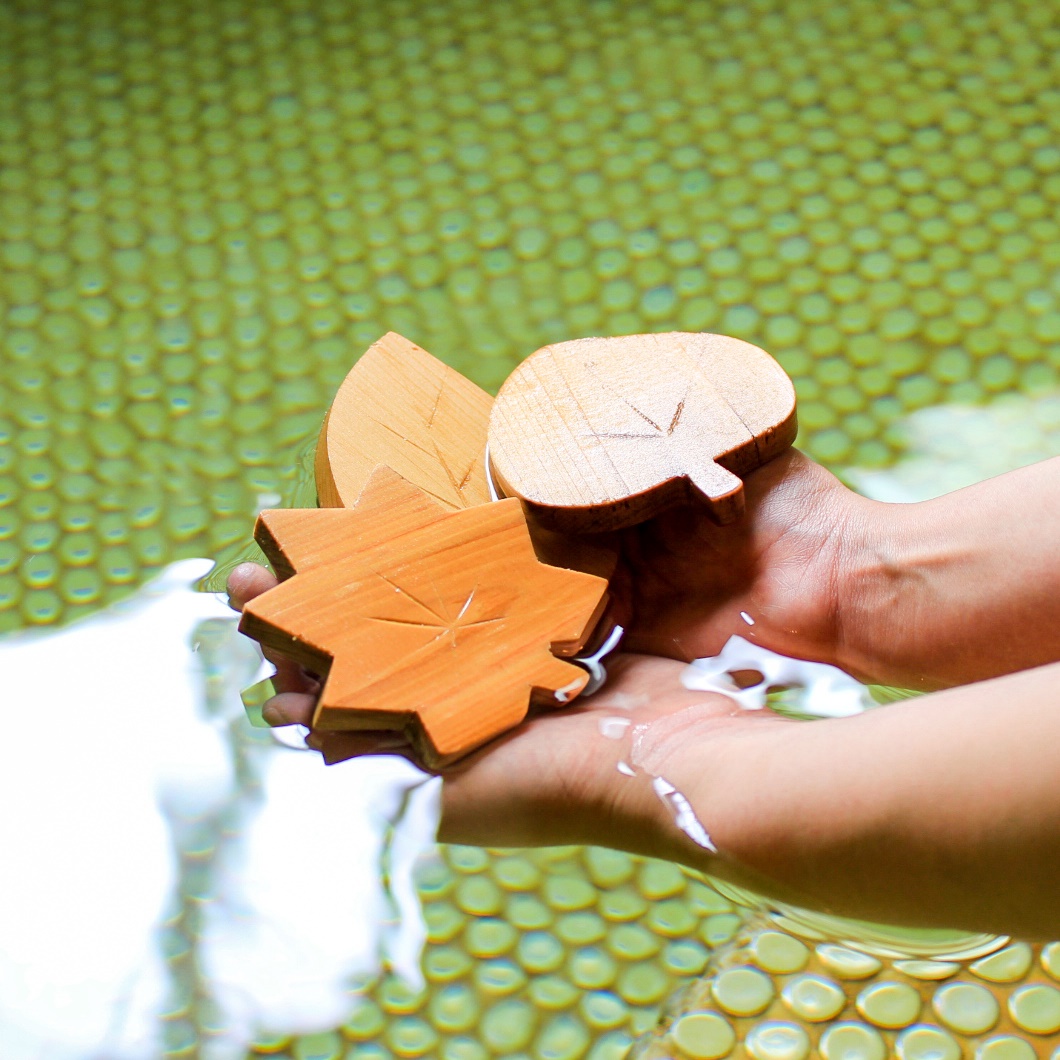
x,y
208,209
168,866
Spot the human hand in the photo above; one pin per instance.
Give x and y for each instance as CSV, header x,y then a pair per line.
x,y
555,779
683,583
778,576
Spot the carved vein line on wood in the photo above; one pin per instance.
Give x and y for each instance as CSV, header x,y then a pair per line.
x,y
437,402
458,487
677,414
704,376
415,599
444,624
403,436
612,389
660,434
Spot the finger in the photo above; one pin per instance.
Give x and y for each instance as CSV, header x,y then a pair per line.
x,y
289,708
290,676
247,581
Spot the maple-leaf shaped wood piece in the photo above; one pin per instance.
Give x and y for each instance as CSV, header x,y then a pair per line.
x,y
603,433
442,623
404,409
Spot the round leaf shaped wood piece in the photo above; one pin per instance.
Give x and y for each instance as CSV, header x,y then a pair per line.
x,y
603,433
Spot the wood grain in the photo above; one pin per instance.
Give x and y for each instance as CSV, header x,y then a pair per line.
x,y
405,409
401,408
439,622
603,433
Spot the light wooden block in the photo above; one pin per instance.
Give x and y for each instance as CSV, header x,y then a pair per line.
x,y
603,433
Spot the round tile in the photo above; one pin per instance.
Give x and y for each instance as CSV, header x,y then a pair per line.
x,y
661,879
527,912
508,1025
632,942
603,1010
779,954
845,963
852,1041
479,896
410,1036
489,937
1036,1008
498,978
720,928
643,983
1050,960
1005,1047
927,1043
890,1005
742,991
703,1036
927,971
453,1008
814,998
538,952
966,1007
776,1040
581,928
621,904
1006,966
685,957
592,968
552,993
564,1037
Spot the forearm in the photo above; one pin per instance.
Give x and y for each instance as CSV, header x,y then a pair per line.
x,y
943,811
957,589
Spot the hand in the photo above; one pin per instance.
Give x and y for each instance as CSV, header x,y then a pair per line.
x,y
555,779
685,584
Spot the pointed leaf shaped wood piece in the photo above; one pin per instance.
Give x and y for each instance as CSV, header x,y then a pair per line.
x,y
403,408
440,622
603,433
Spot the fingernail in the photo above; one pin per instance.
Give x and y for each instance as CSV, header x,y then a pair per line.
x,y
274,716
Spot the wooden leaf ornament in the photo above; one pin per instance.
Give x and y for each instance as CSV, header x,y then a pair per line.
x,y
404,409
439,622
401,407
603,433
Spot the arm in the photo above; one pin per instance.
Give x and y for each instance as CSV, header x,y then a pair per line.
x,y
923,595
957,589
943,811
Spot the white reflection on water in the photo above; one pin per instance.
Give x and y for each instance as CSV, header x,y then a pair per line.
x,y
948,447
140,811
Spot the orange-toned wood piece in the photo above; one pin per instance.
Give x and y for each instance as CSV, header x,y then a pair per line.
x,y
404,409
439,622
603,433
401,407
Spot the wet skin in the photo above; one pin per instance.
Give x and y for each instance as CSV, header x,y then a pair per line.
x,y
940,811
